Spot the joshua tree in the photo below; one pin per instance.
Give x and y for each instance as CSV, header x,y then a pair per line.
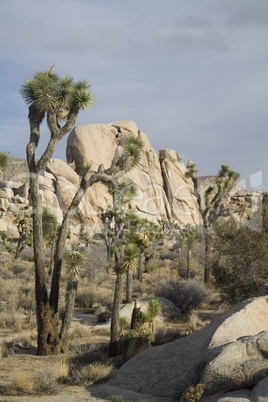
x,y
4,161
123,265
143,232
23,222
50,228
115,218
74,259
60,99
214,198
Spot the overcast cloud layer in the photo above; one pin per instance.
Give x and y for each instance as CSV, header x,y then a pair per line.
x,y
192,74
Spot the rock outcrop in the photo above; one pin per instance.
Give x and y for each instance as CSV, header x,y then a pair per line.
x,y
163,191
229,353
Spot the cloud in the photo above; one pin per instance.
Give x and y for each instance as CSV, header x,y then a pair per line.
x,y
241,13
193,32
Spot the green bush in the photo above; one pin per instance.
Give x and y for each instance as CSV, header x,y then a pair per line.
x,y
193,393
240,266
150,267
116,398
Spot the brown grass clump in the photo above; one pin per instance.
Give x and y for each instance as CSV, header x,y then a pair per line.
x,y
99,371
46,381
23,382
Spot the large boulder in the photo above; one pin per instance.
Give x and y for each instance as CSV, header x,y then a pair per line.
x,y
163,191
239,364
167,370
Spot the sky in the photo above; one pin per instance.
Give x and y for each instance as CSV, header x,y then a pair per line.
x,y
192,74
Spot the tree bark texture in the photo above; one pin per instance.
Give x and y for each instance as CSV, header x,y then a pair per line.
x,y
69,309
129,287
114,341
140,267
208,245
189,255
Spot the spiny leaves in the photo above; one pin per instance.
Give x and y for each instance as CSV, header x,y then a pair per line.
x,y
192,171
134,146
41,90
49,223
4,159
83,96
130,257
127,190
51,93
74,259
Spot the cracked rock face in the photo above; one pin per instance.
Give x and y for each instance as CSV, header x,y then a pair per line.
x,y
163,191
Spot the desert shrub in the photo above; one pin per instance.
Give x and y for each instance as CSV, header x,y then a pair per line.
x,y
105,298
43,381
186,295
193,393
150,267
23,382
166,335
79,331
17,268
195,322
117,398
46,381
5,273
98,371
86,297
10,318
241,261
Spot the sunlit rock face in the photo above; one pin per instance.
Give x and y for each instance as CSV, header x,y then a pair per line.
x,y
163,191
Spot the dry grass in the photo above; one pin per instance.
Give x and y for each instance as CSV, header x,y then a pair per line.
x,y
44,380
2,349
99,371
246,375
23,382
79,331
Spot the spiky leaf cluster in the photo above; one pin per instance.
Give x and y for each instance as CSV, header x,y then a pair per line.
x,y
192,171
74,259
4,159
48,93
134,146
49,224
131,254
127,190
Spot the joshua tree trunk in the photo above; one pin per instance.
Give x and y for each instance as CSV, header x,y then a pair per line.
x,y
188,264
136,313
140,267
208,244
114,342
129,288
69,309
48,339
52,252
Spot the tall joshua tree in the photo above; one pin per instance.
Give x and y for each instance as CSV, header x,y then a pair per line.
x,y
214,198
59,100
